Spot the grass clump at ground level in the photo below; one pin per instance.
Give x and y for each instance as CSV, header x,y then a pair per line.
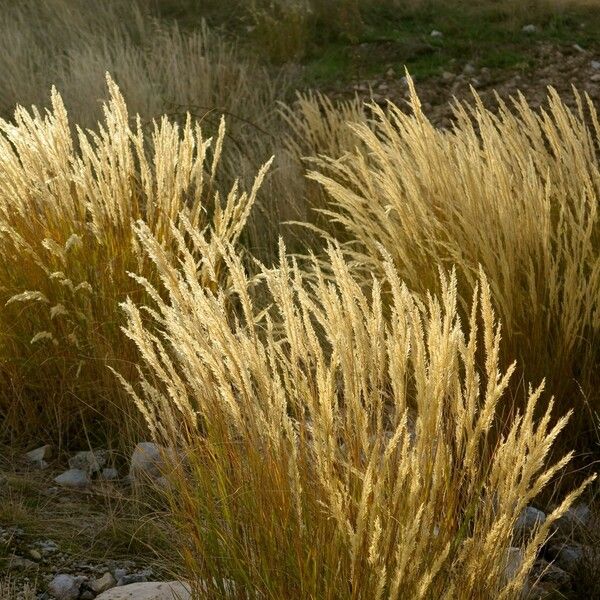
x,y
343,442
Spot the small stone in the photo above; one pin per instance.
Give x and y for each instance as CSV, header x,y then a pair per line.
x,y
537,591
106,582
162,481
595,78
140,577
581,514
147,461
555,575
544,572
531,28
119,573
447,76
578,48
39,456
41,453
152,590
109,474
390,73
567,557
90,461
18,563
436,34
596,65
528,521
73,478
513,563
133,578
469,69
576,517
65,587
47,547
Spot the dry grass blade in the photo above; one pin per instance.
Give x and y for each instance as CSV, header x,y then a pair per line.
x,y
67,210
514,193
344,443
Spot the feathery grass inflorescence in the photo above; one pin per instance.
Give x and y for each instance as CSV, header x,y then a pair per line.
x,y
339,442
319,126
162,66
159,66
515,194
67,208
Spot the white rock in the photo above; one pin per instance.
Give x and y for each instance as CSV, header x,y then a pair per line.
x,y
139,577
535,591
90,461
576,517
163,483
553,574
578,48
152,590
436,34
529,28
109,474
47,547
147,461
65,587
40,455
106,582
596,65
569,557
119,573
18,563
581,514
74,478
529,519
513,563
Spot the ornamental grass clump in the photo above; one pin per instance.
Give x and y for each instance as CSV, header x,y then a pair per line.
x,y
159,66
67,208
338,440
515,193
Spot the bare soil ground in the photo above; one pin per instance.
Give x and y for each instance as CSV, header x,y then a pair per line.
x,y
46,529
562,67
